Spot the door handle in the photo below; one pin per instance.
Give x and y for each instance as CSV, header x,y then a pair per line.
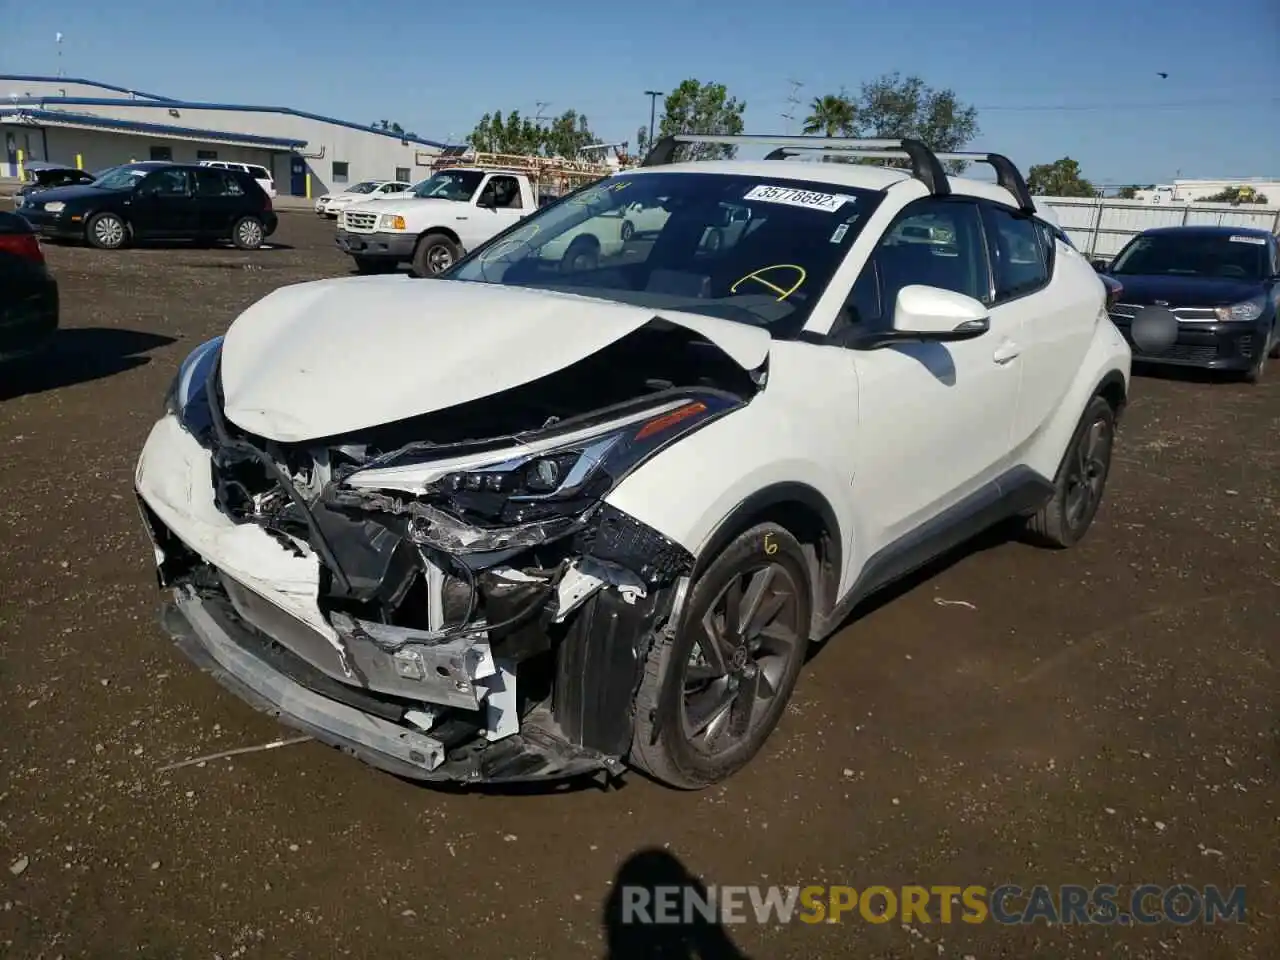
x,y
1006,352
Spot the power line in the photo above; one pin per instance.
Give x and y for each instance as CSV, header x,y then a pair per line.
x,y
1167,105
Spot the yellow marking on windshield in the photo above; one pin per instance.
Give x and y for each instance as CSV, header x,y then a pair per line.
x,y
782,294
509,244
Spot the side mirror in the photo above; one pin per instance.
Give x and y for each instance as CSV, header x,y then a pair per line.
x,y
931,315
1102,266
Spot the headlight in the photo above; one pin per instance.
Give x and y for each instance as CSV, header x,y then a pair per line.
x,y
391,221
186,398
56,207
1245,312
553,476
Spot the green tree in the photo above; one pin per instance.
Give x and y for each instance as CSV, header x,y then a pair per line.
x,y
391,127
704,108
1059,179
1235,195
893,106
567,135
831,115
512,134
642,141
1130,191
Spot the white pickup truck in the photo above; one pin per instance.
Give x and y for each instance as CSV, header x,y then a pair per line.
x,y
436,223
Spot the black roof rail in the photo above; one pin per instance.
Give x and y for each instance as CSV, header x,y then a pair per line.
x,y
1007,175
924,165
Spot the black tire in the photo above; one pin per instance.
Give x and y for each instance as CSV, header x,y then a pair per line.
x,y
685,706
434,254
583,254
1275,341
106,231
374,265
1081,480
248,233
628,230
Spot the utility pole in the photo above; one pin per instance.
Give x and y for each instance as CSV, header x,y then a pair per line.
x,y
793,101
58,40
653,96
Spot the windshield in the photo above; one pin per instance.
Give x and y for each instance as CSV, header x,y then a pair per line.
x,y
1225,256
120,178
743,248
367,186
450,185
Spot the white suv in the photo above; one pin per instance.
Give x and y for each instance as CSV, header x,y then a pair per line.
x,y
539,517
259,173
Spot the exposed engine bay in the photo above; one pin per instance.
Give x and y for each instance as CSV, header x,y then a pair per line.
x,y
479,591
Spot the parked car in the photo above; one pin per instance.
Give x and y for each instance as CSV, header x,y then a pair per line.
x,y
259,173
28,293
42,175
1222,286
432,226
331,204
530,519
156,200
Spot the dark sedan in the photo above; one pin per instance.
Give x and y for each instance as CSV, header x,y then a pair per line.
x,y
156,201
28,294
42,175
1222,286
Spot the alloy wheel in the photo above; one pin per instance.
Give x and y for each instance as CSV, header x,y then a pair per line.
x,y
439,259
109,231
746,643
250,233
1088,472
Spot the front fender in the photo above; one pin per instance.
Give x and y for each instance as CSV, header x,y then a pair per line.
x,y
1106,362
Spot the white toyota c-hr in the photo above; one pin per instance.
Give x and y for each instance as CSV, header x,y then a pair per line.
x,y
541,517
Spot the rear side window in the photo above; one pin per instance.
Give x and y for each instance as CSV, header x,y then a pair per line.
x,y
1018,258
212,182
259,173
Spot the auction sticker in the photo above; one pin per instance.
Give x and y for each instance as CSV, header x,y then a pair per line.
x,y
826,202
1260,241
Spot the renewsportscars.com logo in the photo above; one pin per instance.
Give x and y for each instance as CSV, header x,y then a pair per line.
x,y
1144,905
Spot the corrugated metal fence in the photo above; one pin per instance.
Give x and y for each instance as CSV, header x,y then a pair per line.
x,y
1102,226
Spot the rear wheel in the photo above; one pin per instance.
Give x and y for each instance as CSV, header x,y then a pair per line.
x,y
248,233
434,254
1081,480
583,254
713,692
106,231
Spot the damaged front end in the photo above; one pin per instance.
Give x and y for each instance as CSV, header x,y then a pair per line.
x,y
450,596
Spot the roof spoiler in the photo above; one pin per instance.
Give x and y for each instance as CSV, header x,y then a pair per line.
x,y
926,166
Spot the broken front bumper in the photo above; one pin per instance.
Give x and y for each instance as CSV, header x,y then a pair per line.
x,y
246,609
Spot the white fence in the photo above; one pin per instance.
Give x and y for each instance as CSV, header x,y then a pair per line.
x,y
1102,226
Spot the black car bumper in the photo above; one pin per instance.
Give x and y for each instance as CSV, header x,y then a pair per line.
x,y
54,226
1209,346
28,320
397,246
269,223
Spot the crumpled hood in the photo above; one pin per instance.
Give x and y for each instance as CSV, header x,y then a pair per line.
x,y
334,356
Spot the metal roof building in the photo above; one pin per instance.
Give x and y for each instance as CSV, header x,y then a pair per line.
x,y
95,125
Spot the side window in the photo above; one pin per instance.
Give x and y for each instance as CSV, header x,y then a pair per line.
x,y
167,183
259,173
502,192
210,183
934,242
1017,259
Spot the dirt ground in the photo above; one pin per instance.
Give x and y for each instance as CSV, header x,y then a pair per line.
x,y
1102,715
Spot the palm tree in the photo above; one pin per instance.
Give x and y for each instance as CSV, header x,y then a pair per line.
x,y
831,115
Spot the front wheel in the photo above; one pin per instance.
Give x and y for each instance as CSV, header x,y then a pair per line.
x,y
106,231
434,254
1081,480
248,233
714,690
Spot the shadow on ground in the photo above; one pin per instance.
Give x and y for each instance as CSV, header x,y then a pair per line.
x,y
79,355
639,891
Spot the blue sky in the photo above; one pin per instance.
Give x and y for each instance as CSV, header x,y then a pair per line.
x,y
436,67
